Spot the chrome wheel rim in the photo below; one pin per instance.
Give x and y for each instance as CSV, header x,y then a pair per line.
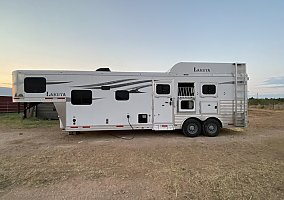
x,y
212,128
192,129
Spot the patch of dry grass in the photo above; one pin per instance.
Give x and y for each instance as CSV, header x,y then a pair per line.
x,y
16,121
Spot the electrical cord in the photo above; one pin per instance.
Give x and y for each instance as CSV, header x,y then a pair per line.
x,y
129,123
126,138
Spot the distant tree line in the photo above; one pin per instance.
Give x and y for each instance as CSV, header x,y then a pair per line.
x,y
266,101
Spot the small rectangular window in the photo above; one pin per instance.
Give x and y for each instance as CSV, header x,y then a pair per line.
x,y
122,95
81,97
35,85
186,104
209,89
163,89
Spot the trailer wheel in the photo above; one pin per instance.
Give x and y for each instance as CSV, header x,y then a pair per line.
x,y
191,128
211,127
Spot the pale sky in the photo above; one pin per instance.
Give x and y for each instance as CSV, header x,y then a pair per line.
x,y
133,35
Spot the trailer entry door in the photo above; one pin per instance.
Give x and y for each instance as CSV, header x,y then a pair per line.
x,y
163,103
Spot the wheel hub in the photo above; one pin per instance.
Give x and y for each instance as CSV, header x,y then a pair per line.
x,y
191,128
211,128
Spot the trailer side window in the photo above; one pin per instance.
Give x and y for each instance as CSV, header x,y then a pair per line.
x,y
81,97
187,104
209,89
35,85
163,89
121,95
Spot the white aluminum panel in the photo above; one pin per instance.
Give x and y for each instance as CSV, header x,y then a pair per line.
x,y
209,107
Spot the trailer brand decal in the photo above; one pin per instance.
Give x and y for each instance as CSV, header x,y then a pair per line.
x,y
105,83
200,70
58,82
121,84
56,94
136,89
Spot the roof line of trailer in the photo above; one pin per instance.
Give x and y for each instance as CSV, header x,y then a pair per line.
x,y
151,74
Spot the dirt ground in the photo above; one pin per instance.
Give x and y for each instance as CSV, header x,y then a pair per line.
x,y
44,163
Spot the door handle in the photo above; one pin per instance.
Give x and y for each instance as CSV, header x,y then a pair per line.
x,y
170,103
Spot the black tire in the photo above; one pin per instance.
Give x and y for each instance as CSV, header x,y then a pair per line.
x,y
191,128
211,127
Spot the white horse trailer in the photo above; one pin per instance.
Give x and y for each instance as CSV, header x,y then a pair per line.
x,y
194,97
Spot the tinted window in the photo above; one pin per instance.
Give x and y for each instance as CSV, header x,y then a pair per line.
x,y
209,89
81,97
35,85
121,95
187,104
163,89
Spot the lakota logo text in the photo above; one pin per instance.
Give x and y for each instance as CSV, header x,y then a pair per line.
x,y
56,94
200,70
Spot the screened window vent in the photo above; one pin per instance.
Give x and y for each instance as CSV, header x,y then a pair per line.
x,y
163,89
209,89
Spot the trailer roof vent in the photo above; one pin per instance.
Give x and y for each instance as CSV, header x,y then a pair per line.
x,y
103,70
